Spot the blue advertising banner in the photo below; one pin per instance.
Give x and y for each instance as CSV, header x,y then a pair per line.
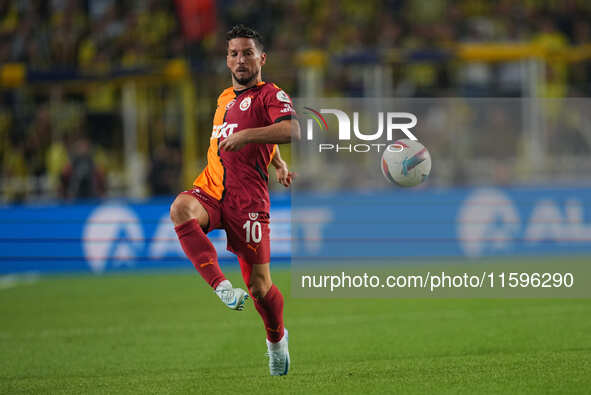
x,y
126,235
107,236
443,223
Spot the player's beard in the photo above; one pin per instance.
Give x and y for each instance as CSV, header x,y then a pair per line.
x,y
246,80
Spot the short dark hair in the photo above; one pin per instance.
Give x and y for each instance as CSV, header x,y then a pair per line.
x,y
245,32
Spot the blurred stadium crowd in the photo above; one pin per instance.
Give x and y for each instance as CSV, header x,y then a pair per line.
x,y
64,139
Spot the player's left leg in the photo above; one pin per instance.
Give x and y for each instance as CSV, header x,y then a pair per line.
x,y
268,301
248,238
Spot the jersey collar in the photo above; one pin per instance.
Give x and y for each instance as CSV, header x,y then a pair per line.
x,y
238,93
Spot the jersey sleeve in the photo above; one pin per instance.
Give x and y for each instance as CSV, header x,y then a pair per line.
x,y
278,105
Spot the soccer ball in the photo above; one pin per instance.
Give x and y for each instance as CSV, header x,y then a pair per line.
x,y
406,163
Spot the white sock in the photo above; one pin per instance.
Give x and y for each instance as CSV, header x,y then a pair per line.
x,y
226,284
277,346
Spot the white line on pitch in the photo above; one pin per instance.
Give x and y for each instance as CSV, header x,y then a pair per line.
x,y
14,280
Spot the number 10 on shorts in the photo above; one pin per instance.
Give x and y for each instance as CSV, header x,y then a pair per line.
x,y
253,231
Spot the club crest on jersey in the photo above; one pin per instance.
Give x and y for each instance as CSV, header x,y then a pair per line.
x,y
282,96
245,103
230,104
253,216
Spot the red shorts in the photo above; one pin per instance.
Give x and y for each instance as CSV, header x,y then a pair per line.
x,y
247,232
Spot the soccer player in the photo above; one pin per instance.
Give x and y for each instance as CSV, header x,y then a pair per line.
x,y
251,118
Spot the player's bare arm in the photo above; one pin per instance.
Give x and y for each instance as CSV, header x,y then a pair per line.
x,y
278,133
284,176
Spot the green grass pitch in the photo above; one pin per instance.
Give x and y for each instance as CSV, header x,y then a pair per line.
x,y
168,333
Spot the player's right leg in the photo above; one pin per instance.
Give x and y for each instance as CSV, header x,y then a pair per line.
x,y
190,217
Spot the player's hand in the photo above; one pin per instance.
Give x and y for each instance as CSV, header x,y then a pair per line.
x,y
284,176
234,142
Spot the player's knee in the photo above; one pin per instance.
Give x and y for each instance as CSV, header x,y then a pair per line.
x,y
180,212
259,287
